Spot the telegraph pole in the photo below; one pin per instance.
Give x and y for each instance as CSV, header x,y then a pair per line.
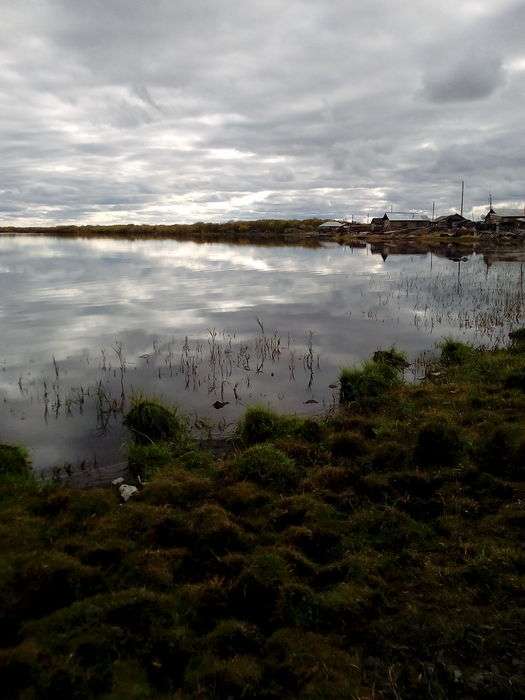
x,y
462,195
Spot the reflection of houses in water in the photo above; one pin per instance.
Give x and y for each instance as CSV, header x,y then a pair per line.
x,y
355,244
504,256
398,248
382,250
449,251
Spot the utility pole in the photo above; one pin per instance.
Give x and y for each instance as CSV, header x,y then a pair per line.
x,y
433,210
462,195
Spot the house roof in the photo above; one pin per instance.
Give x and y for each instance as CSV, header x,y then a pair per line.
x,y
331,224
514,213
445,217
406,216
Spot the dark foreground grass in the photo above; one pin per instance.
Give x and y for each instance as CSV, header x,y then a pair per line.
x,y
375,554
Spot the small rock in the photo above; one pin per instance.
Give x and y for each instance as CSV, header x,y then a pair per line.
x,y
119,480
311,401
220,404
127,491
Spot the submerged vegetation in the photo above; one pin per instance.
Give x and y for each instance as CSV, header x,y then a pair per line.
x,y
376,553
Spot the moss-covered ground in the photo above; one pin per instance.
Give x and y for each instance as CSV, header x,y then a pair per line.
x,y
375,554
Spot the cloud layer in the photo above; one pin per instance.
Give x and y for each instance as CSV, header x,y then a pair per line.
x,y
122,110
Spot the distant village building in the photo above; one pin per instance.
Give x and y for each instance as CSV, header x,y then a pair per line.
x,y
394,220
507,219
332,226
448,221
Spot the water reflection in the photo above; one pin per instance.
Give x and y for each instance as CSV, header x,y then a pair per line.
x,y
87,323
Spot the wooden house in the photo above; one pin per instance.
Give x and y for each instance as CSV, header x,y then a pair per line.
x,y
332,226
505,219
451,221
396,220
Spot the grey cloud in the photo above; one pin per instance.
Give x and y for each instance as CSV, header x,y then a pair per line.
x,y
470,79
184,111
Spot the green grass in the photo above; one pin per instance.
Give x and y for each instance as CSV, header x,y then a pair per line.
x,y
374,554
145,460
260,424
150,421
16,477
454,352
366,386
268,466
14,461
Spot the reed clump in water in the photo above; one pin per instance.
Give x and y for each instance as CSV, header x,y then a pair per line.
x,y
379,548
366,386
151,421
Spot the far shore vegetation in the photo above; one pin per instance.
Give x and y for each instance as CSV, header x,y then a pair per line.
x,y
374,553
286,231
273,229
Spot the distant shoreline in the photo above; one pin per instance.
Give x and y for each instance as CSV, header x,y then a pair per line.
x,y
259,230
281,232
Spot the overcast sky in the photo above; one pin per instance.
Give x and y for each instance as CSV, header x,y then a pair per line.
x,y
175,111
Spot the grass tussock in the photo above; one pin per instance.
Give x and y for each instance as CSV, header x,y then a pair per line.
x,y
453,352
268,466
377,553
366,386
261,424
151,422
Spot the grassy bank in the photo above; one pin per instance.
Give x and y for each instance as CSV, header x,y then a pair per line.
x,y
375,554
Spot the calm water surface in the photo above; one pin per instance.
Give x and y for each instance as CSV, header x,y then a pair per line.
x,y
86,324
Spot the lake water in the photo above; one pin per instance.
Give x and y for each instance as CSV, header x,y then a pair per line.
x,y
87,324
